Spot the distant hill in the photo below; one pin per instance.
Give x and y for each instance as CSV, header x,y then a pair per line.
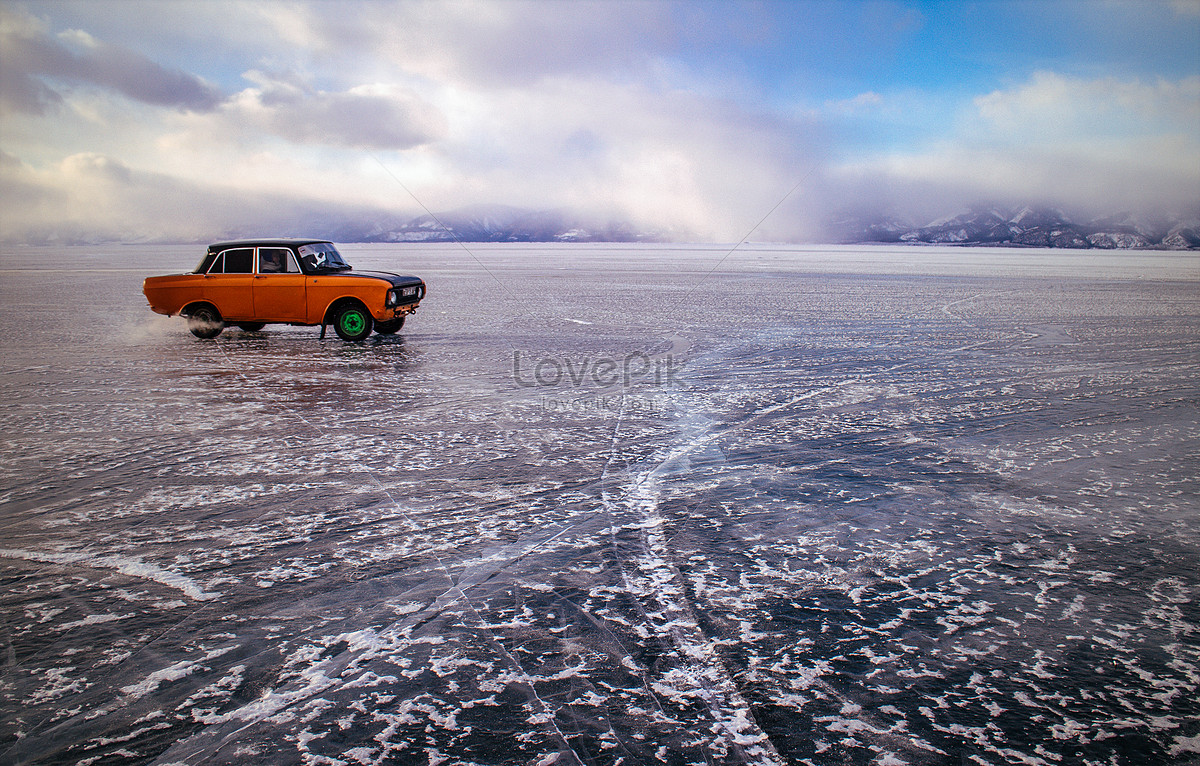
x,y
501,223
1026,227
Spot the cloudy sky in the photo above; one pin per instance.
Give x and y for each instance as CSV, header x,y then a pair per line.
x,y
178,120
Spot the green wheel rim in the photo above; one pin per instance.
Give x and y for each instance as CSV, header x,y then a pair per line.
x,y
353,322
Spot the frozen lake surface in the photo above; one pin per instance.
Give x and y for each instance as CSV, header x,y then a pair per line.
x,y
609,505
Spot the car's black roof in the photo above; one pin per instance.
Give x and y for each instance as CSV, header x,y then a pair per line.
x,y
270,242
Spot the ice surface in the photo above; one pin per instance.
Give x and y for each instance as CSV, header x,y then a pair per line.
x,y
781,506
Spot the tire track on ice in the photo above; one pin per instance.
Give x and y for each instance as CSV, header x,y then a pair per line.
x,y
658,577
703,675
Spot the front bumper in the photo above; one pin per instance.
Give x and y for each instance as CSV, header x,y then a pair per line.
x,y
394,312
401,299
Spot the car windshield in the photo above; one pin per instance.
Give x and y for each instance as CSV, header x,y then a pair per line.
x,y
322,255
205,262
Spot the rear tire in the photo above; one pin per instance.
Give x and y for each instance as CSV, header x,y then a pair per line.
x,y
205,322
251,326
352,322
390,327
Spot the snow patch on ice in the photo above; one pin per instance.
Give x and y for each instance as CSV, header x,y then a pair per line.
x,y
131,567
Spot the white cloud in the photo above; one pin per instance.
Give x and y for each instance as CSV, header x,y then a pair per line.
x,y
670,157
1051,106
1092,144
464,102
478,42
90,196
372,116
673,159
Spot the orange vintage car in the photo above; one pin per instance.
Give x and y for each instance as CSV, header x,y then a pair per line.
x,y
255,282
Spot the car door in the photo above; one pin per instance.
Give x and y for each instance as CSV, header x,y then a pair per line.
x,y
279,294
229,284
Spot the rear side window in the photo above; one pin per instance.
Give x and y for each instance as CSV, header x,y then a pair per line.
x,y
239,261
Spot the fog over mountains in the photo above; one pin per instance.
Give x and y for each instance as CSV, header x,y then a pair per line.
x,y
502,223
1025,226
993,225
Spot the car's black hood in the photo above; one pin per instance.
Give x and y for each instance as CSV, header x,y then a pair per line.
x,y
396,280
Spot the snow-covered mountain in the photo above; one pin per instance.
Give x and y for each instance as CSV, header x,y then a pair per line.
x,y
501,223
1026,226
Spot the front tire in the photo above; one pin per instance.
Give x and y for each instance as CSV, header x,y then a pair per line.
x,y
390,327
352,322
205,322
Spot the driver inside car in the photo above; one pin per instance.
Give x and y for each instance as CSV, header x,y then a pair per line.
x,y
271,262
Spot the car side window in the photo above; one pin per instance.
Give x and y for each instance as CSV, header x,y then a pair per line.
x,y
274,260
239,261
218,265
